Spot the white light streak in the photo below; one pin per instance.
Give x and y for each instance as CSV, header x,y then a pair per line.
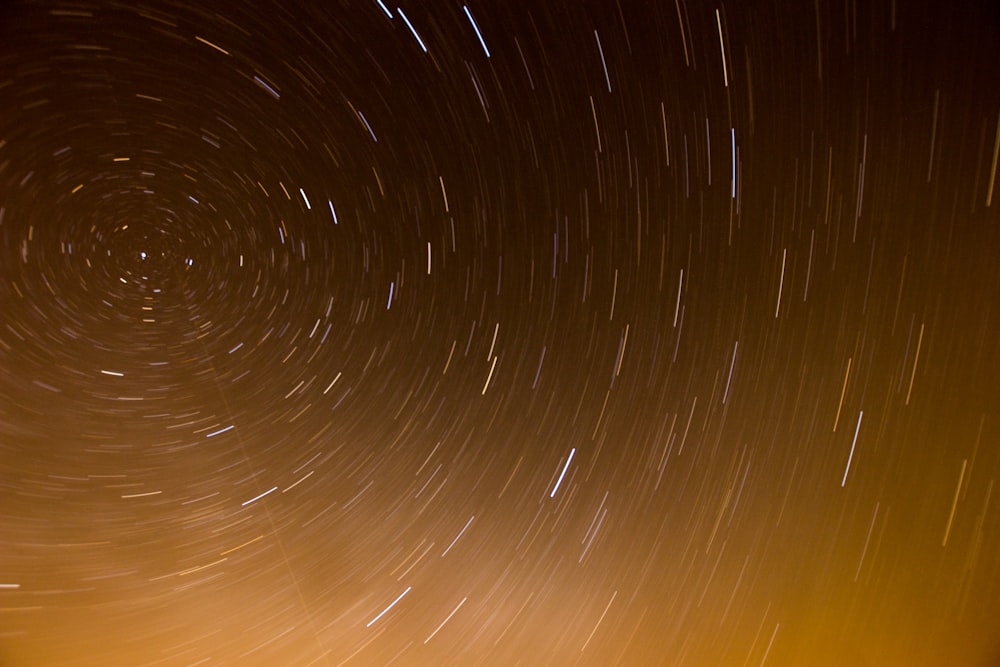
x,y
142,495
954,504
256,498
260,82
781,283
913,373
412,29
853,443
868,538
369,127
460,533
563,473
493,342
478,34
299,481
677,308
386,610
330,386
599,621
538,371
725,396
607,79
438,628
490,376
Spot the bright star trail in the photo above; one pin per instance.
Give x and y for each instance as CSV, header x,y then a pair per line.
x,y
630,333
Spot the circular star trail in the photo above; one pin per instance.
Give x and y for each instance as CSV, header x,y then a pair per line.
x,y
493,334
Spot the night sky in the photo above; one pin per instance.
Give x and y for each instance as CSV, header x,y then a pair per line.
x,y
509,333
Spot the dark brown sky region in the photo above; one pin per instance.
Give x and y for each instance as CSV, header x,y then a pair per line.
x,y
502,333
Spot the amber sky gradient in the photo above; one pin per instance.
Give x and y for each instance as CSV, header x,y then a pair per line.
x,y
508,333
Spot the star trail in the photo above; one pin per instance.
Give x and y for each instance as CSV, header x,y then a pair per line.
x,y
499,333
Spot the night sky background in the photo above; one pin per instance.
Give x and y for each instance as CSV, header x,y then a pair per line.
x,y
541,333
